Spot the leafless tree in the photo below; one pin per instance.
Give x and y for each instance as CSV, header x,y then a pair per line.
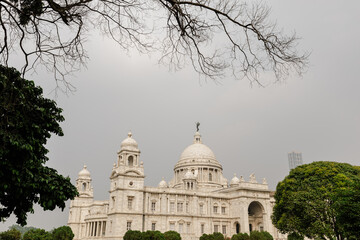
x,y
216,36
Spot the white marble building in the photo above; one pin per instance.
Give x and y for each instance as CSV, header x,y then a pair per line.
x,y
197,200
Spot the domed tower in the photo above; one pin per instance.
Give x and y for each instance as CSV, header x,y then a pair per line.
x,y
129,153
198,167
80,206
83,183
127,179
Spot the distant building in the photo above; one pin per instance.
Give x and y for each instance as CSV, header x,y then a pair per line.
x,y
295,159
197,200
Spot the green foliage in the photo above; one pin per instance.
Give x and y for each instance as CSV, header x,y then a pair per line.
x,y
172,235
207,237
21,229
218,236
12,234
240,236
319,200
153,235
295,236
63,233
37,234
214,236
263,235
27,120
133,235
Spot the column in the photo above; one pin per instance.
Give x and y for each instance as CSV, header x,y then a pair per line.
x,y
99,231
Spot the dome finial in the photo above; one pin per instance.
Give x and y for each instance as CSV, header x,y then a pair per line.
x,y
197,126
129,134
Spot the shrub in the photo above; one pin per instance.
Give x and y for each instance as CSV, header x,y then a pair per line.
x,y
240,236
263,235
207,237
152,235
62,233
172,235
218,236
133,235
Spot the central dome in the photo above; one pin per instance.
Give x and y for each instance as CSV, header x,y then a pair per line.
x,y
197,150
198,168
197,154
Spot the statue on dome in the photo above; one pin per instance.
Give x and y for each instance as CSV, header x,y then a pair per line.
x,y
197,126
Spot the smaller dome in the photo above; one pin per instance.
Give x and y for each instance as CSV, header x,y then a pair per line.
x,y
235,180
162,184
84,173
129,143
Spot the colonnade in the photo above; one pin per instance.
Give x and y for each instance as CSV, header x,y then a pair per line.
x,y
95,228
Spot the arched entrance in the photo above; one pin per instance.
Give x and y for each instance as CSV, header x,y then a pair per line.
x,y
256,213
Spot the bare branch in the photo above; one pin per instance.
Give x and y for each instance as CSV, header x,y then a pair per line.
x,y
218,37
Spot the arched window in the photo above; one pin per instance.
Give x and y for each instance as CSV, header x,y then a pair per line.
x,y
210,177
237,227
83,187
131,161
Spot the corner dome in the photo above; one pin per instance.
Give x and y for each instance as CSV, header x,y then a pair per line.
x,y
162,184
129,143
235,180
84,173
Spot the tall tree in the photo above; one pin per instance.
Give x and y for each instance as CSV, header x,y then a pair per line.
x,y
319,200
27,120
217,37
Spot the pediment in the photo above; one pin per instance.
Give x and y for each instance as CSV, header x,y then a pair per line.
x,y
132,173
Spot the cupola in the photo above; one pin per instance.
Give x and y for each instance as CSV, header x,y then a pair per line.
x,y
83,183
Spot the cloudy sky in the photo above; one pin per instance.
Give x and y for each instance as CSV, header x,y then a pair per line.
x,y
250,129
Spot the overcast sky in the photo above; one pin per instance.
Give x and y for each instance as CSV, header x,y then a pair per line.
x,y
250,129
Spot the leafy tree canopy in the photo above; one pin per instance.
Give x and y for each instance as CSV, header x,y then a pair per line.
x,y
37,234
11,234
319,200
218,37
21,229
295,236
27,121
62,233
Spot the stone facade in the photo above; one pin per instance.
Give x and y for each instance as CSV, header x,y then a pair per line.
x,y
197,200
